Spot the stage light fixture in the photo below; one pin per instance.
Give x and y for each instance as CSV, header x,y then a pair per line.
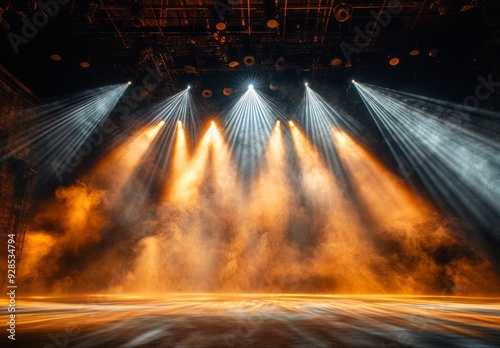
x,y
291,124
250,86
274,85
280,63
129,83
227,91
394,61
137,11
336,62
56,57
189,87
433,53
222,11
85,65
249,60
414,52
206,93
353,81
234,64
306,84
271,13
162,122
343,11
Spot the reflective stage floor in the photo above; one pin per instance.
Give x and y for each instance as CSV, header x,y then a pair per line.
x,y
208,320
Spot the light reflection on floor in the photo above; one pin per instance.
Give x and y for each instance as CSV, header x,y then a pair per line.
x,y
208,320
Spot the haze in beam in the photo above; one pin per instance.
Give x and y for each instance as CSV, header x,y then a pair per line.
x,y
61,128
250,122
460,167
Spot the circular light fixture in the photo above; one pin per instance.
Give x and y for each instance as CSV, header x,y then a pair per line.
x,y
306,84
234,64
220,26
250,86
129,83
249,60
336,62
343,12
85,65
206,93
189,87
394,61
272,24
227,91
56,57
414,52
353,81
280,63
274,85
434,53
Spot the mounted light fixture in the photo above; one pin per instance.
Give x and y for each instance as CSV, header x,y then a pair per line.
x,y
271,13
343,11
280,63
227,91
394,61
222,11
336,62
206,93
137,12
249,60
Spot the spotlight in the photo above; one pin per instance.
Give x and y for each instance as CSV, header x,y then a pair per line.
x,y
179,124
433,53
291,124
394,61
206,93
221,10
336,62
353,81
274,85
220,26
280,63
189,87
162,123
250,86
278,123
129,83
306,84
249,60
227,91
271,13
343,11
137,11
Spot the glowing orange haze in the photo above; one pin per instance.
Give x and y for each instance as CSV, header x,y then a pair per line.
x,y
293,228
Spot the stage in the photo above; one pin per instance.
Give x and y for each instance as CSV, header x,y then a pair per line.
x,y
248,320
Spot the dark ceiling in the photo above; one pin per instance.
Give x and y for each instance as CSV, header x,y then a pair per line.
x,y
180,37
